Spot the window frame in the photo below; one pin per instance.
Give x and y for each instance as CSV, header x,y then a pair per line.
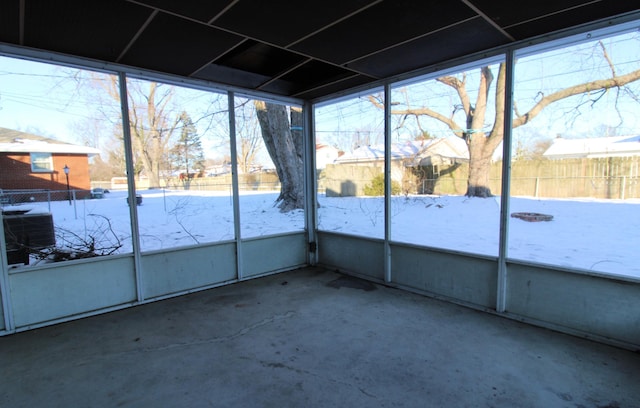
x,y
36,158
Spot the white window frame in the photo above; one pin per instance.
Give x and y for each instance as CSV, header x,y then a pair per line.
x,y
41,162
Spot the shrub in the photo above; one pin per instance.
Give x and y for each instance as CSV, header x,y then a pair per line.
x,y
376,188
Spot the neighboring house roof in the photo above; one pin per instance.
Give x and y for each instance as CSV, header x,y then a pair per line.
x,y
452,148
417,150
616,146
326,154
14,141
374,153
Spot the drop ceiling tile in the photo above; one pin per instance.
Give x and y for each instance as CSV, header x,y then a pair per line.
x,y
315,73
505,13
10,22
282,22
231,76
178,46
570,18
334,87
441,46
260,58
196,9
381,26
98,29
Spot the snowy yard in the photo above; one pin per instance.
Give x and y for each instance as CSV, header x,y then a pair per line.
x,y
597,235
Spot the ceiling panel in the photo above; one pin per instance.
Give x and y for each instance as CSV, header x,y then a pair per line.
x,y
570,18
260,58
282,22
505,14
196,9
98,29
440,46
175,45
9,21
381,26
231,76
334,87
316,73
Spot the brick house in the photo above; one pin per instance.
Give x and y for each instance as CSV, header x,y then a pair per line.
x,y
31,162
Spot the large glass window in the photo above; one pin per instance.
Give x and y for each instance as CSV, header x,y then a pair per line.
x,y
350,166
58,142
181,160
576,156
270,167
446,160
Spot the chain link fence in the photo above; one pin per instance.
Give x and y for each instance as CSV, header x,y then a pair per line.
x,y
18,197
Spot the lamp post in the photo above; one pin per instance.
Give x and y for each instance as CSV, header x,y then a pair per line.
x,y
66,173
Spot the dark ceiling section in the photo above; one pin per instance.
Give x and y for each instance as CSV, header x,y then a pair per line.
x,y
234,77
466,38
549,15
96,29
282,22
575,17
259,58
505,13
307,49
314,74
334,87
201,10
381,26
175,45
10,21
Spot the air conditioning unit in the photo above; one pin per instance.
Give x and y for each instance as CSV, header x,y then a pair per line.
x,y
24,233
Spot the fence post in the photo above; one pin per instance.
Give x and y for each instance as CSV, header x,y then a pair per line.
x,y
75,208
537,186
623,187
49,200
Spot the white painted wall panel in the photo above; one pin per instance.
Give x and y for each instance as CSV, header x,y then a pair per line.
x,y
359,255
54,292
591,305
180,270
463,278
267,254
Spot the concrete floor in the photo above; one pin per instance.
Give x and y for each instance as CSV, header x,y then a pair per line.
x,y
310,338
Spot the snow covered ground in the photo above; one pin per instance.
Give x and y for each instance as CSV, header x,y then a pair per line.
x,y
597,235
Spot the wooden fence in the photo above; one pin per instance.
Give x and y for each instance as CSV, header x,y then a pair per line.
x,y
613,177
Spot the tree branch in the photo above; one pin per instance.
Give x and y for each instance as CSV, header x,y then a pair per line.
x,y
605,54
461,89
455,128
601,84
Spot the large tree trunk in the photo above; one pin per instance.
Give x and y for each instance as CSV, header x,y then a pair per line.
x,y
278,138
479,167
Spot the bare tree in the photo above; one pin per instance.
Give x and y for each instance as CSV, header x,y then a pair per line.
x,y
483,143
152,117
248,136
282,137
152,124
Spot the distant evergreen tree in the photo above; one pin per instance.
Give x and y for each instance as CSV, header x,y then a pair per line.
x,y
187,155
